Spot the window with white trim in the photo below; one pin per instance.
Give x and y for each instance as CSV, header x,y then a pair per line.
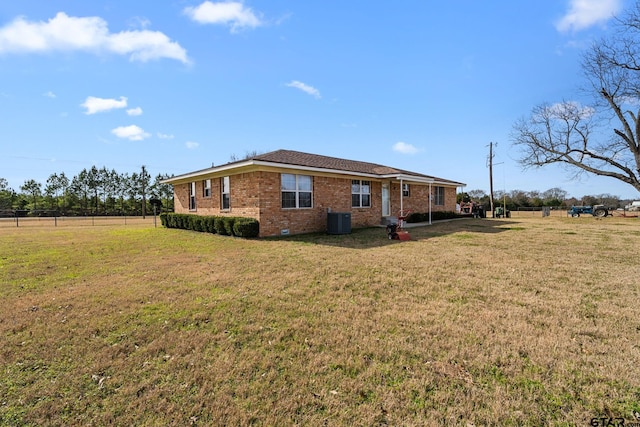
x,y
405,190
439,196
225,193
360,194
297,191
206,188
192,196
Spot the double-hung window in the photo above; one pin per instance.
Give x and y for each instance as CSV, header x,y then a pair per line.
x,y
192,196
297,191
405,190
206,188
439,196
360,194
225,193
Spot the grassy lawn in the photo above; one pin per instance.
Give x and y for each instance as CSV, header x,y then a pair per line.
x,y
524,321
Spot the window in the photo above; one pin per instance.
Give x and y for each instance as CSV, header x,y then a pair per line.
x,y
360,194
296,191
206,188
226,195
439,196
192,196
405,190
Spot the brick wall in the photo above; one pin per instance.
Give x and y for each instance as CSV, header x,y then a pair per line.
x,y
328,193
257,195
418,200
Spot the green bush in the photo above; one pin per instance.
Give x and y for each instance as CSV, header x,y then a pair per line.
x,y
223,225
417,217
435,216
246,227
197,223
181,221
218,224
163,219
228,224
209,226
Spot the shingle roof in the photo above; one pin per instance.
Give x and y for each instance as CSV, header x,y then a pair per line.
x,y
316,161
298,158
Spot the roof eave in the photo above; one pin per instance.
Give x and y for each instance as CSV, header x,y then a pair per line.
x,y
261,163
422,179
249,163
208,171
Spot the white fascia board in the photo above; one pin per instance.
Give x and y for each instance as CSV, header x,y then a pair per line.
x,y
208,171
423,180
233,166
410,178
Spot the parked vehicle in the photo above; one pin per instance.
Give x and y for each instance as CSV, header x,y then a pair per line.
x,y
500,212
597,210
473,209
633,206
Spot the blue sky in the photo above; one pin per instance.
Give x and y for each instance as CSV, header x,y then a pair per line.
x,y
180,85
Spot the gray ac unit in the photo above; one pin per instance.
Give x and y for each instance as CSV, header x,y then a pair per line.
x,y
339,223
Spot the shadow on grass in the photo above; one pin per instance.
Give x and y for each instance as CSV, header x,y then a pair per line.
x,y
364,238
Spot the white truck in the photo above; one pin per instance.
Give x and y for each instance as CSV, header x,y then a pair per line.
x,y
633,206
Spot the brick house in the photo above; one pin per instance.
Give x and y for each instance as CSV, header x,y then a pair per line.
x,y
290,192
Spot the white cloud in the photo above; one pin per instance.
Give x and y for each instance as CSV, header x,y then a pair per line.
x,y
305,88
98,105
561,110
90,34
191,145
49,94
134,111
585,13
234,14
132,133
164,136
404,148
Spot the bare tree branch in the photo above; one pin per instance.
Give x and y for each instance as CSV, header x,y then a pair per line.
x,y
572,135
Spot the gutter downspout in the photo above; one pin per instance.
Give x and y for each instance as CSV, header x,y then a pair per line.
x,y
401,197
430,197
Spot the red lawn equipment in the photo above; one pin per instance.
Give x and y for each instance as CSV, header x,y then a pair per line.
x,y
397,231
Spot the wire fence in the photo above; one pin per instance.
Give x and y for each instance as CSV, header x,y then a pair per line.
x,y
79,221
562,212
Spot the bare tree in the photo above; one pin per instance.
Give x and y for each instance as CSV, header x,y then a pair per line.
x,y
247,155
573,135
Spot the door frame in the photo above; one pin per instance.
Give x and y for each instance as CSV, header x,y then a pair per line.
x,y
386,199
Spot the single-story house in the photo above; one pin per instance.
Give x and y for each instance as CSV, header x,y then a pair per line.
x,y
290,192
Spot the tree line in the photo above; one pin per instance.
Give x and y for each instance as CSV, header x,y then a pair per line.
x,y
93,191
556,198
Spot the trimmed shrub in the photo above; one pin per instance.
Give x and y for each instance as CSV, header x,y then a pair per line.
x,y
246,227
417,217
209,224
223,225
435,216
197,223
228,224
218,224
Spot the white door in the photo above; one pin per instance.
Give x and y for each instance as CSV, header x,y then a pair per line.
x,y
386,200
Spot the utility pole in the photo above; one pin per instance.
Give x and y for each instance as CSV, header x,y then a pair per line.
x,y
491,177
143,183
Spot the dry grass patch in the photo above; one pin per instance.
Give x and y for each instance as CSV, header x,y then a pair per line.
x,y
486,322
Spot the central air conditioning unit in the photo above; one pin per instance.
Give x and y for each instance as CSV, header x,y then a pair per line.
x,y
338,223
